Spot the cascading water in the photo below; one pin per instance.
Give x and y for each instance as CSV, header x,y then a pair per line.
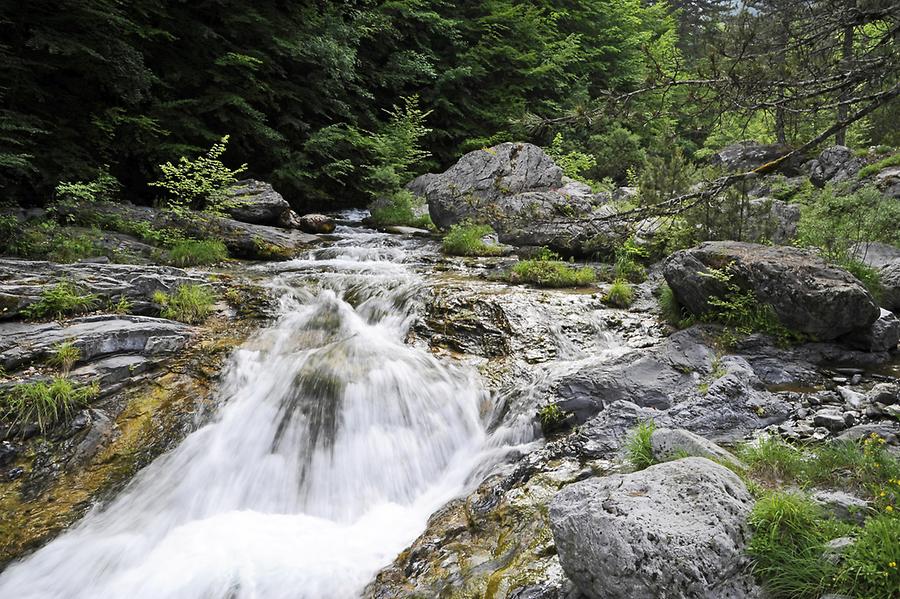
x,y
333,443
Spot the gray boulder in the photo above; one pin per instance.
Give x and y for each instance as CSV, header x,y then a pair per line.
x,y
834,164
771,220
668,444
843,505
876,255
315,223
881,335
256,202
890,283
807,294
522,194
677,529
748,155
888,181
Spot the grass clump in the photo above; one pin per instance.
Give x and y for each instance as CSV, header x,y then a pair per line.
x,y
772,459
551,418
45,404
639,452
628,266
191,304
468,240
192,252
547,270
64,356
877,167
672,311
400,210
63,299
620,294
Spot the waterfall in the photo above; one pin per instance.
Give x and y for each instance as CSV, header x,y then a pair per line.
x,y
331,444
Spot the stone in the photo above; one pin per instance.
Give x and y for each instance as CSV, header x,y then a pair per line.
x,y
851,398
843,505
888,181
315,223
835,549
885,393
677,529
881,335
668,444
256,202
875,255
807,294
834,164
889,431
890,284
748,155
831,419
770,220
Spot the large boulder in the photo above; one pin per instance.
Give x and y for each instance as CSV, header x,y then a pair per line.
x,y
807,294
888,181
522,194
834,164
256,202
749,155
890,283
881,335
677,529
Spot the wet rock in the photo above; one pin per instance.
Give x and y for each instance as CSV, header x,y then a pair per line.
x,y
748,155
676,529
807,294
24,343
23,281
881,335
256,202
8,453
843,505
668,444
834,164
315,223
98,431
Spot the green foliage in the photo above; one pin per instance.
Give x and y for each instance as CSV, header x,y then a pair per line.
x,y
547,270
192,252
467,240
672,311
200,184
61,300
43,404
191,304
628,266
401,209
868,276
876,167
46,240
639,451
64,356
574,163
551,418
771,459
104,187
666,177
620,294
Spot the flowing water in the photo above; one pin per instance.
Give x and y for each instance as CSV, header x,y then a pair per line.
x,y
332,443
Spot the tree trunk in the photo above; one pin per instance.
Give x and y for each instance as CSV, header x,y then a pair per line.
x,y
840,138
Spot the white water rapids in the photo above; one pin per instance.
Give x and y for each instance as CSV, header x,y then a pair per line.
x,y
332,443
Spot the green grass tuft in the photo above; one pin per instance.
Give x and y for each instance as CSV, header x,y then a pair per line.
x,y
639,452
191,304
672,311
63,299
191,252
620,294
45,404
547,270
400,210
65,355
877,167
466,240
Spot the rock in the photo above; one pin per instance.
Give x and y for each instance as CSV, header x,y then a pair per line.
x,y
522,194
842,505
771,220
889,431
890,283
606,433
255,202
888,181
807,294
401,230
881,335
830,418
885,393
315,223
852,399
834,164
676,529
668,444
876,255
22,343
835,549
748,155
23,281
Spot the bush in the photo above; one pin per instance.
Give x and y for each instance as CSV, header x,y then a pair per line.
x,y
65,355
574,163
400,210
551,418
191,252
620,294
627,265
467,240
191,304
547,270
200,184
104,188
63,299
45,240
639,451
45,404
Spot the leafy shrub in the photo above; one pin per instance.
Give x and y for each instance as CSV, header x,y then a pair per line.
x,y
45,240
200,184
45,404
639,451
628,266
666,177
574,163
104,188
63,299
547,270
65,355
620,294
467,240
400,210
868,276
191,252
191,304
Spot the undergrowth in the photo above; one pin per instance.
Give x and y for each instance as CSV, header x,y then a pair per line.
x,y
639,452
45,404
547,270
191,304
468,240
620,294
400,210
63,299
192,252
